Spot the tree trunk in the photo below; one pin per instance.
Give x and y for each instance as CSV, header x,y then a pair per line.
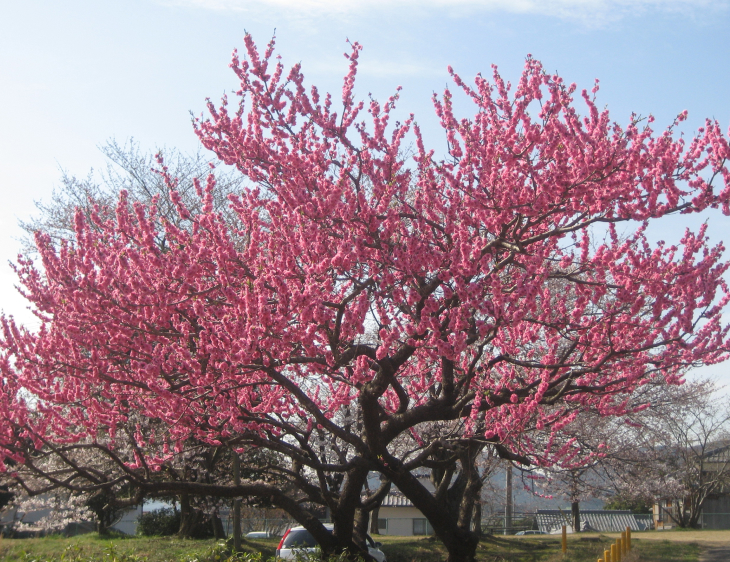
x,y
102,505
354,546
679,513
374,529
360,529
695,510
190,518
460,542
218,531
575,512
477,518
347,515
101,526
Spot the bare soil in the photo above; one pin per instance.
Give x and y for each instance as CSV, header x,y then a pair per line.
x,y
698,536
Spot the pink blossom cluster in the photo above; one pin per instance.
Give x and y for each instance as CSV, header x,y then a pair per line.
x,y
491,286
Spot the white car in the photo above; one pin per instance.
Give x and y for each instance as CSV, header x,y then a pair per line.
x,y
258,535
298,540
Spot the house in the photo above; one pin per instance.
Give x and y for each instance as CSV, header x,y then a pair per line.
x,y
707,467
398,516
715,512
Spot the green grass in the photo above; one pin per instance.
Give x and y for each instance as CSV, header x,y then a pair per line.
x,y
659,551
397,549
118,549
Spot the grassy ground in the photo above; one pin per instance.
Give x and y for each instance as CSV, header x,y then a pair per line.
x,y
119,549
648,547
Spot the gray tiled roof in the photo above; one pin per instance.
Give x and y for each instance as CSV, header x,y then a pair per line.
x,y
396,500
598,520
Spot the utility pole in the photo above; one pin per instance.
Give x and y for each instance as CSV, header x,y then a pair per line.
x,y
236,504
508,500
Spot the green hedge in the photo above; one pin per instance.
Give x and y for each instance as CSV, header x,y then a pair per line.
x,y
159,523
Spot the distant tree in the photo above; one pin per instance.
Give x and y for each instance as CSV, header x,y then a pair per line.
x,y
591,445
503,298
624,459
95,476
635,505
690,457
136,172
132,170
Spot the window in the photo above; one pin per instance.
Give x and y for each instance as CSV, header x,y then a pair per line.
x,y
383,526
422,527
299,539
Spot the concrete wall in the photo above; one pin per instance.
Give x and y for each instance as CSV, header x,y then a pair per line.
x,y
400,520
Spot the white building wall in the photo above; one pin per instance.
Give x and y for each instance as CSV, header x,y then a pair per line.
x,y
128,523
400,520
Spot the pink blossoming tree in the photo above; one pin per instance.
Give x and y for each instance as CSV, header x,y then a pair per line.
x,y
366,296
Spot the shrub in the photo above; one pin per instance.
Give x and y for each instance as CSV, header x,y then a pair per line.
x,y
160,522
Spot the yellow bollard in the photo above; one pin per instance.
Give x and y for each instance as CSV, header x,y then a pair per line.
x,y
600,560
607,555
623,543
628,538
565,540
614,553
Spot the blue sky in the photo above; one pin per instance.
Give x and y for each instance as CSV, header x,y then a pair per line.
x,y
76,73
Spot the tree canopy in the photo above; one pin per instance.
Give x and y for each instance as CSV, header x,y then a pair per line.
x,y
365,296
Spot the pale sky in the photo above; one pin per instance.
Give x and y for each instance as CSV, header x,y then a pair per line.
x,y
75,73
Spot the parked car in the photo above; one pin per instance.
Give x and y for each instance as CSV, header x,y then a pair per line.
x,y
530,533
299,540
259,535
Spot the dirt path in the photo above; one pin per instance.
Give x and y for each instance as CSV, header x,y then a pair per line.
x,y
716,554
716,538
716,544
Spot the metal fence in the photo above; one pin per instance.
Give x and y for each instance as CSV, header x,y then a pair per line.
x,y
714,520
497,524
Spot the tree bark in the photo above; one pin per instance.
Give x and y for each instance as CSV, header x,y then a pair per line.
x,y
349,519
360,529
101,527
454,531
375,513
292,505
477,518
102,505
374,528
575,513
218,531
190,518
